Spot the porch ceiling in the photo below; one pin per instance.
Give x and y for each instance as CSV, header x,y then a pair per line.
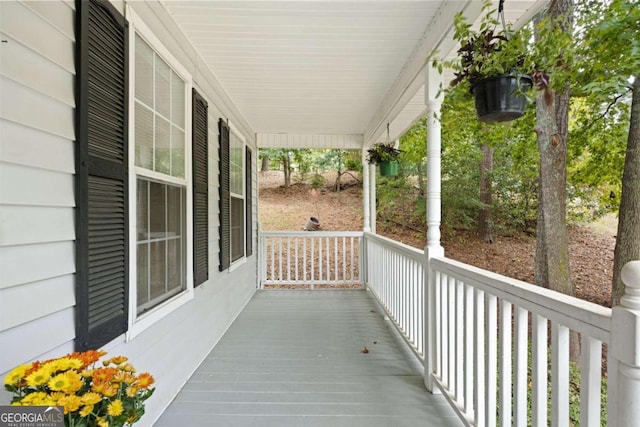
x,y
320,67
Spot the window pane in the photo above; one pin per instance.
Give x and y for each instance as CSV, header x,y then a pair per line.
x,y
144,136
174,211
163,88
235,157
144,72
237,228
143,273
177,152
163,152
177,100
157,208
174,263
161,265
142,213
157,269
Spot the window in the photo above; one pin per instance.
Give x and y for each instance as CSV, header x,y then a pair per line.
x,y
235,198
160,181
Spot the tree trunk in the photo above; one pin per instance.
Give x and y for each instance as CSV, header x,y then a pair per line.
x,y
552,247
265,164
552,244
286,165
485,225
628,238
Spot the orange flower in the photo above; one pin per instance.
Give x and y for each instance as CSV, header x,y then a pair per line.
x,y
104,374
145,380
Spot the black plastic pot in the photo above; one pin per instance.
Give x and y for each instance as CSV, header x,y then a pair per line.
x,y
500,99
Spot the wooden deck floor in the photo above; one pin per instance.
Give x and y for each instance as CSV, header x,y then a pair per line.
x,y
294,358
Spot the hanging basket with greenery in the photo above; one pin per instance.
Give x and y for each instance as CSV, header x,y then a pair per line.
x,y
386,156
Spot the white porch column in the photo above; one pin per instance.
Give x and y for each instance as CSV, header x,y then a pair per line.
x,y
625,352
372,196
434,249
365,191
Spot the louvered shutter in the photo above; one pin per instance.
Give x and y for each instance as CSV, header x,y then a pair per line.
x,y
101,174
225,197
249,203
200,190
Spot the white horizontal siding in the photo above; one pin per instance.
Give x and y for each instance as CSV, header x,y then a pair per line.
x,y
22,225
27,146
35,109
30,263
18,304
29,68
37,225
271,140
20,185
22,24
30,340
56,13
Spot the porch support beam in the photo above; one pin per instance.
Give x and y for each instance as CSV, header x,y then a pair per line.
x,y
373,196
365,191
433,99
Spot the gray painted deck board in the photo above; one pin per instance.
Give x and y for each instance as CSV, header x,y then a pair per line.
x,y
294,358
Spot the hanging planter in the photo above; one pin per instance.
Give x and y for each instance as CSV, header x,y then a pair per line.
x,y
389,168
494,63
501,98
386,156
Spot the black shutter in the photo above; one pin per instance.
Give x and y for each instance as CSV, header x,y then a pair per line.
x,y
225,197
200,190
102,298
249,203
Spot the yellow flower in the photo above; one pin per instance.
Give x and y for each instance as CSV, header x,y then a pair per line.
x,y
102,422
91,398
132,391
70,402
115,360
34,399
86,410
66,363
59,383
115,408
127,367
16,374
39,377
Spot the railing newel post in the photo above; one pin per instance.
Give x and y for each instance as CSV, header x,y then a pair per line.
x,y
624,387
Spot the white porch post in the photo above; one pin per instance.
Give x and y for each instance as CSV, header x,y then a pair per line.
x,y
434,249
624,409
365,191
372,196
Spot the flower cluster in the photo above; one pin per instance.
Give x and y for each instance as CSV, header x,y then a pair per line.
x,y
92,395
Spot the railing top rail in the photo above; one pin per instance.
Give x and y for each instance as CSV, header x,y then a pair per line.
x,y
582,316
311,233
405,249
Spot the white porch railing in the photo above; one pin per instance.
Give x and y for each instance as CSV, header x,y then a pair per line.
x,y
482,338
395,275
317,258
496,348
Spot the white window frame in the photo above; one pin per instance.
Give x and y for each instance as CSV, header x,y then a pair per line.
x,y
235,264
138,323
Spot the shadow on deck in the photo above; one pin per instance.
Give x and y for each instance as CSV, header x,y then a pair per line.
x,y
295,358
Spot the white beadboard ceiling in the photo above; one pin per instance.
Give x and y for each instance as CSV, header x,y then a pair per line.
x,y
325,67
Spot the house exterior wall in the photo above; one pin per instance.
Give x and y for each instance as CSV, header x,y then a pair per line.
x,y
37,223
